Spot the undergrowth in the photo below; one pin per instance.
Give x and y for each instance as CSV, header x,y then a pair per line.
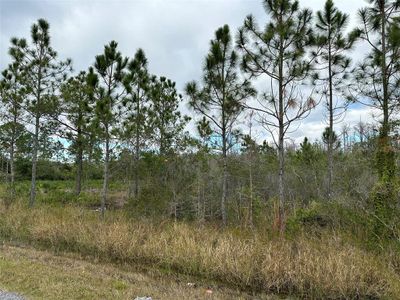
x,y
309,266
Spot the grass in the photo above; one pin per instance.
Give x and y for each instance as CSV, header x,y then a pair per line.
x,y
58,192
42,275
326,266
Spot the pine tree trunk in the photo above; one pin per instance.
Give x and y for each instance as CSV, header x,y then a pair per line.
x,y
330,137
79,166
224,190
224,177
12,172
251,192
106,174
130,174
137,153
36,138
385,154
281,149
281,216
34,161
12,151
203,194
135,183
200,216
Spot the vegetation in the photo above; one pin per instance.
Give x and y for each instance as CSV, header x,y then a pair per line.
x,y
37,274
327,266
315,220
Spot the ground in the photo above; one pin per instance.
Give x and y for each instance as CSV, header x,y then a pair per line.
x,y
37,274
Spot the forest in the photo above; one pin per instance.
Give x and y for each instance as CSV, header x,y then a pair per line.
x,y
117,164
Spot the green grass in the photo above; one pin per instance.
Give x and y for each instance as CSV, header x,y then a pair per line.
x,y
43,275
59,192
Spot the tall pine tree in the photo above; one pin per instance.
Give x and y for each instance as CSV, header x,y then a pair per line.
x,y
278,52
377,81
41,75
377,78
12,95
221,97
333,65
106,79
77,109
137,84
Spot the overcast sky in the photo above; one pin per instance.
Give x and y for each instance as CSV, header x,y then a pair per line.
x,y
174,34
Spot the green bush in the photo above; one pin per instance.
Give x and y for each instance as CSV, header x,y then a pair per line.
x,y
332,215
310,218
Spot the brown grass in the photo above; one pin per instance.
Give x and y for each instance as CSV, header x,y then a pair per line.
x,y
324,267
42,275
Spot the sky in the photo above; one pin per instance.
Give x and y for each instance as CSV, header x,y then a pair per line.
x,y
174,34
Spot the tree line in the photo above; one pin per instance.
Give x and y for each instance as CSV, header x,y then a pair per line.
x,y
119,114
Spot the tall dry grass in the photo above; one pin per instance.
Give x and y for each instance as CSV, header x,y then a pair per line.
x,y
324,267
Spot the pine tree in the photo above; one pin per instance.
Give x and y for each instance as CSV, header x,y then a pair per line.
x,y
165,120
12,94
202,165
137,82
106,79
279,53
251,148
222,96
377,78
306,152
204,130
333,65
330,138
41,76
77,108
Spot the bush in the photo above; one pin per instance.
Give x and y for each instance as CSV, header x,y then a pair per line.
x,y
311,218
384,210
